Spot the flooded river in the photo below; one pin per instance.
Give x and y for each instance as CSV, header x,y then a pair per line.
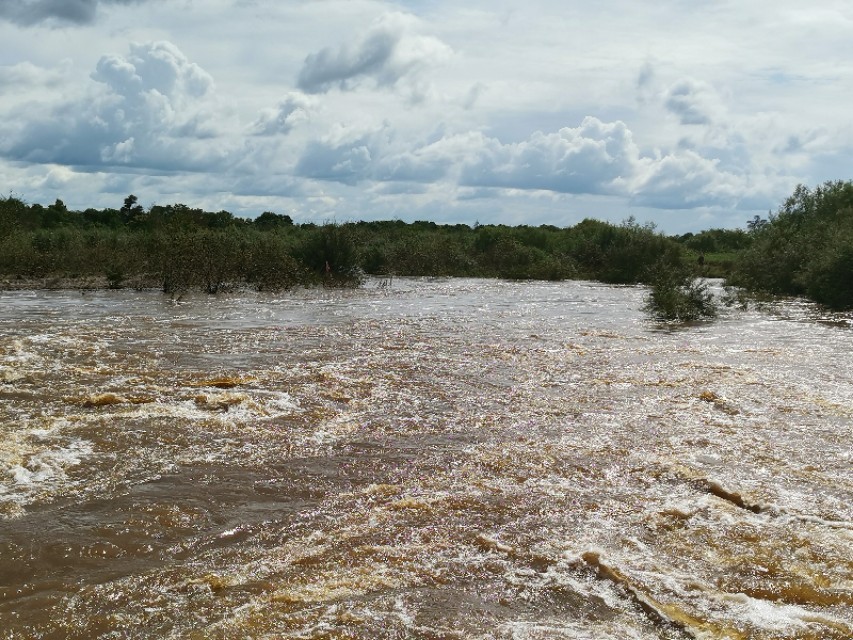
x,y
430,459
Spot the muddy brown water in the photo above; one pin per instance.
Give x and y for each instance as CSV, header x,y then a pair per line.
x,y
422,459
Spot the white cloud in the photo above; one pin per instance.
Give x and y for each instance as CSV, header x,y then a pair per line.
x,y
592,158
602,158
150,112
685,180
26,75
154,68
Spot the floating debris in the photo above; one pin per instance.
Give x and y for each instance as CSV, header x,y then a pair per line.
x,y
223,382
220,401
103,400
110,399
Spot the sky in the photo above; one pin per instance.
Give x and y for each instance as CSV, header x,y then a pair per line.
x,y
688,115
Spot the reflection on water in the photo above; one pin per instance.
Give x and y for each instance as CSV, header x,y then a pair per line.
x,y
434,459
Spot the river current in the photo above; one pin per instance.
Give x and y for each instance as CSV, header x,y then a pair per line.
x,y
422,459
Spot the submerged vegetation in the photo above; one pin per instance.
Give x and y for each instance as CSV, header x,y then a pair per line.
x,y
806,248
677,296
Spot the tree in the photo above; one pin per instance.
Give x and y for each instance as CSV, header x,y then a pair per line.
x,y
56,215
270,220
13,212
130,210
805,249
756,224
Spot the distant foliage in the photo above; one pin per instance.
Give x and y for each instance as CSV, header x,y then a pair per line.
x,y
715,251
806,248
717,240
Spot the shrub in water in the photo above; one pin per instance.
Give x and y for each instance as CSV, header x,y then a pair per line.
x,y
675,296
330,252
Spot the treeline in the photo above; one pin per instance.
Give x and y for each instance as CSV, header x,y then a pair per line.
x,y
176,247
804,249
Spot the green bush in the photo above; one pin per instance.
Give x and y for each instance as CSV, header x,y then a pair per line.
x,y
828,277
331,255
805,248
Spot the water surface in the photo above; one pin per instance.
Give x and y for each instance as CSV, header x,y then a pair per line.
x,y
430,459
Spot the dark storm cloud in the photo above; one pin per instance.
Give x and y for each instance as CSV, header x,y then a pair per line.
x,y
31,12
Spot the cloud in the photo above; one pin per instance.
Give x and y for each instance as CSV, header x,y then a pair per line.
x,y
667,132
151,111
389,52
158,67
645,83
344,156
351,156
602,158
596,157
695,103
31,12
686,180
293,110
26,74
